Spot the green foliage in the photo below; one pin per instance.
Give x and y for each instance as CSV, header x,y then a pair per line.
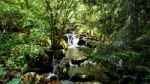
x,y
23,32
28,27
63,44
19,53
3,75
2,72
121,64
121,29
15,81
92,43
113,58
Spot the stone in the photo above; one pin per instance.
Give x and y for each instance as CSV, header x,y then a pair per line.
x,y
82,77
66,82
52,79
78,61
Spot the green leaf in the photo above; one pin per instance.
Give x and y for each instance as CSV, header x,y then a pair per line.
x,y
15,81
2,72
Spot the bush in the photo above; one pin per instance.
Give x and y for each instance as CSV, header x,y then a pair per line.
x,y
22,55
3,79
123,66
2,72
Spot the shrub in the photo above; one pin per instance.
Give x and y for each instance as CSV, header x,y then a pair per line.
x,y
123,65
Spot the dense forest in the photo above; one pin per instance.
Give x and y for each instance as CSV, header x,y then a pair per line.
x,y
114,34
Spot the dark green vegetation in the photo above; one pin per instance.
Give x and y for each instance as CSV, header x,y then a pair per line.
x,y
119,29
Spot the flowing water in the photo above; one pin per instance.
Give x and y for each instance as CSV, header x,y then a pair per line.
x,y
73,39
73,49
60,69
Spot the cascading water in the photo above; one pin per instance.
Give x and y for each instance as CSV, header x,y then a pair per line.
x,y
72,40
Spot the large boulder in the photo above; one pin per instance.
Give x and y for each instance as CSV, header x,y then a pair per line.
x,y
34,78
82,41
62,70
79,60
52,79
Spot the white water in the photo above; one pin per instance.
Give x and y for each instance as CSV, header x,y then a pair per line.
x,y
72,40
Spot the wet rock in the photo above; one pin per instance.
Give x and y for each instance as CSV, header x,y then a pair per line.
x,y
66,82
82,41
62,70
34,78
79,60
82,77
73,65
88,83
52,79
88,63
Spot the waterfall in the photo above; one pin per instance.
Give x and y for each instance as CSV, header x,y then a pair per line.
x,y
73,39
